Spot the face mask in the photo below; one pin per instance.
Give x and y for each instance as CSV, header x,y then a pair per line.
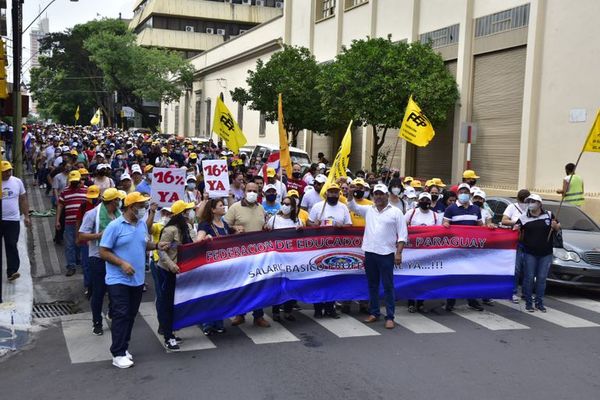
x,y
296,175
251,197
285,209
533,206
332,201
359,194
424,205
367,193
271,197
464,198
396,191
191,186
140,213
472,182
164,220
478,204
435,197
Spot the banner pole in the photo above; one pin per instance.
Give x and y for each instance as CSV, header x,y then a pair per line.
x,y
392,159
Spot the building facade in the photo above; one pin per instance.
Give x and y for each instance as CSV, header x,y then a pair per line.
x,y
526,72
37,34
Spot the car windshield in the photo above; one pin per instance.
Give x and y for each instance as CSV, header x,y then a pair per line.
x,y
299,158
572,218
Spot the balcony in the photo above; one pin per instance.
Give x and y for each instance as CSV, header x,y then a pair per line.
x,y
178,40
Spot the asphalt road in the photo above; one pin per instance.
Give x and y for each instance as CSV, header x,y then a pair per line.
x,y
537,359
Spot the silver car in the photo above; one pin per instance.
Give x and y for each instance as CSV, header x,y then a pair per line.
x,y
578,263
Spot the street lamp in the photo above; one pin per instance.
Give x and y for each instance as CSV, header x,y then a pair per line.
x,y
17,25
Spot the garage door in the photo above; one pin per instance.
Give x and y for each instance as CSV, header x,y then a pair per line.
x,y
435,160
497,110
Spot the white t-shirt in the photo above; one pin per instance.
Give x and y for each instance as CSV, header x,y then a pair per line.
x,y
485,215
416,217
310,198
282,223
514,211
332,215
11,190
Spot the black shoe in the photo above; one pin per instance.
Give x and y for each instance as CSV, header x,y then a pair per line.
x,y
541,308
71,272
207,331
475,306
172,345
332,314
178,339
529,308
97,330
488,302
220,330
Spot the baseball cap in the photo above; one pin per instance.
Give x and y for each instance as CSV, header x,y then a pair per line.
x,y
135,197
534,197
410,193
269,187
6,166
321,178
464,186
293,192
479,193
424,195
271,172
333,186
101,166
83,171
93,192
190,177
408,179
180,206
112,193
119,152
438,182
359,181
416,183
74,176
321,166
124,176
380,187
470,174
193,156
99,154
148,168
135,168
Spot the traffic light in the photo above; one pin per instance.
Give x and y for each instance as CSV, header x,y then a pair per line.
x,y
3,84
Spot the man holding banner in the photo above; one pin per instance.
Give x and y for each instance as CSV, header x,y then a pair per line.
x,y
383,241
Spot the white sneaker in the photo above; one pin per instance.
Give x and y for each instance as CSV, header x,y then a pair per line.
x,y
128,355
515,299
122,362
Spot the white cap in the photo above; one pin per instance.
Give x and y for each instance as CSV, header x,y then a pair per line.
x,y
124,176
464,186
475,189
166,209
321,178
136,168
410,193
535,197
321,166
100,154
190,177
268,187
65,148
101,166
479,193
380,187
424,195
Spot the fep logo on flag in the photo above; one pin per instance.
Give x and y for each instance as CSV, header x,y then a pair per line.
x,y
416,128
216,178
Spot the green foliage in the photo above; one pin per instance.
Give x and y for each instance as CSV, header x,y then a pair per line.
x,y
294,73
372,80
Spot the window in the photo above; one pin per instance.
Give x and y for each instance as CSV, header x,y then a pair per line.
x,y
514,18
353,3
262,125
325,9
240,116
176,130
208,127
166,120
197,116
441,37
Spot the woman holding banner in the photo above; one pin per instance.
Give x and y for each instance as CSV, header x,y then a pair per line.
x,y
211,225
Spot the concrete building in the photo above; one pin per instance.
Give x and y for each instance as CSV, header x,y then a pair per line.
x,y
526,72
37,34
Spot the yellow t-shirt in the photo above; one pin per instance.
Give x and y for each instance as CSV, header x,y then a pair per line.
x,y
357,219
303,216
155,231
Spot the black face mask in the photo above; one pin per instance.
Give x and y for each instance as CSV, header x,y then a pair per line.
x,y
296,175
478,204
359,194
424,205
332,201
435,197
472,182
271,197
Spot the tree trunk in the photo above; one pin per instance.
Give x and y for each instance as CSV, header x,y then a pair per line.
x,y
377,144
294,141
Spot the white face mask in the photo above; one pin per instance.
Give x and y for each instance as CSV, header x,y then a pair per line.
x,y
140,213
366,195
191,214
285,209
251,197
396,191
191,186
164,220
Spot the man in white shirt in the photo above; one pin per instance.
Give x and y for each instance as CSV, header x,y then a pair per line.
x,y
312,197
383,242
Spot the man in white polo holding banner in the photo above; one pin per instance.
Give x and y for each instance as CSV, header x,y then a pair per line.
x,y
383,241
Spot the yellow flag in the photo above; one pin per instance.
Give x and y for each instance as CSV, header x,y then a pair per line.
x,y
592,142
77,114
284,149
226,128
416,128
340,163
96,118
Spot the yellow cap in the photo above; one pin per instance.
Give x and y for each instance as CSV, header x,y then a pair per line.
x,y
119,152
135,197
429,183
359,181
83,171
293,192
190,147
95,141
193,156
74,152
180,206
148,168
469,174
333,186
438,182
416,183
408,179
74,176
93,192
112,193
271,172
163,150
138,153
6,166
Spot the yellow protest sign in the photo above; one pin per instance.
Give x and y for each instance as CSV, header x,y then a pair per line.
x,y
592,142
226,128
416,128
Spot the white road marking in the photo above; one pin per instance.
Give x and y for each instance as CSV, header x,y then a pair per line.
x,y
489,320
82,345
418,323
276,333
554,316
346,326
587,304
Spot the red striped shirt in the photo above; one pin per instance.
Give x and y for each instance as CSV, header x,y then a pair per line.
x,y
71,200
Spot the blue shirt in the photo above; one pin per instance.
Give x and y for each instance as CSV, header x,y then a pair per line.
x,y
458,215
271,209
128,242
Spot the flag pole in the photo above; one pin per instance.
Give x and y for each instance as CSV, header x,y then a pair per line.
x,y
392,159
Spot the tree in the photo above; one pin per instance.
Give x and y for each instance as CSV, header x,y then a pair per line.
x,y
90,62
372,80
294,73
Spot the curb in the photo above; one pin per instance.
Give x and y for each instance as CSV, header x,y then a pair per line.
x,y
15,311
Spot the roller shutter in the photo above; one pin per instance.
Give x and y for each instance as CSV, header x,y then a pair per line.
x,y
497,110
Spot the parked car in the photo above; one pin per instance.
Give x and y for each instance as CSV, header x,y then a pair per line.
x,y
263,151
578,263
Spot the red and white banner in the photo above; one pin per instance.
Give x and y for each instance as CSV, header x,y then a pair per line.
x,y
168,185
216,178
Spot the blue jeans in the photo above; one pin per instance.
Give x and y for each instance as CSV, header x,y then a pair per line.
x,y
380,269
124,305
70,245
535,267
519,261
97,271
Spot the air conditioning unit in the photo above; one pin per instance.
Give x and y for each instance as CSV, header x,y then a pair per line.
x,y
210,30
279,4
189,28
221,32
247,2
260,3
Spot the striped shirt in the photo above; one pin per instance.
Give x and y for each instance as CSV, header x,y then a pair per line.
x,y
456,214
71,200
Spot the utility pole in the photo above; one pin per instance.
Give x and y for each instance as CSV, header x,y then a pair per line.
x,y
17,26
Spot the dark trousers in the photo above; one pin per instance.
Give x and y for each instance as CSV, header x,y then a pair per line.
x,y
327,306
380,270
288,306
452,302
97,268
124,305
165,317
9,232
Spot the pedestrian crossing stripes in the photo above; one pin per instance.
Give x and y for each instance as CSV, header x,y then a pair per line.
x,y
83,347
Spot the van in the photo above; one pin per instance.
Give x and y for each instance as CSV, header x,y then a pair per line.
x,y
298,156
